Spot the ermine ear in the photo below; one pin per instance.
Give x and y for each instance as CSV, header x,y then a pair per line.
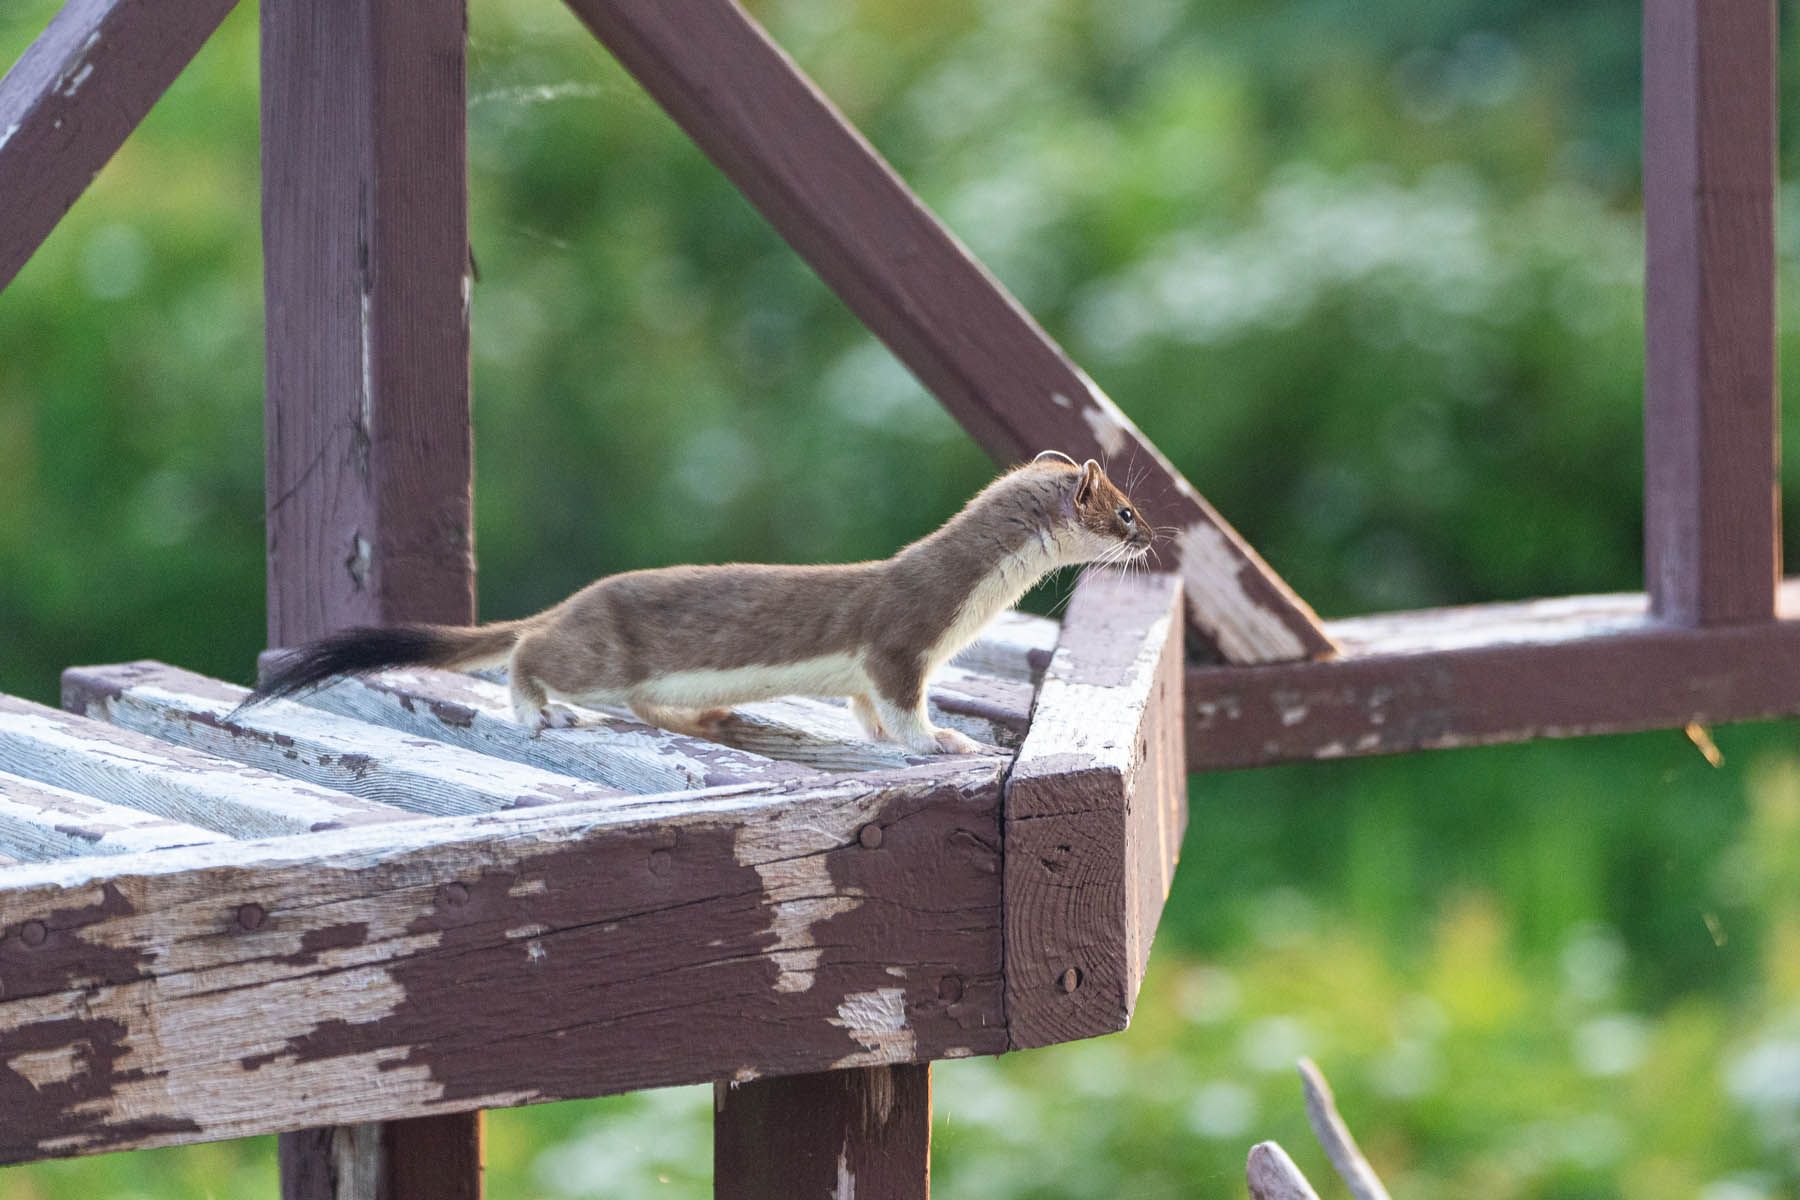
x,y
1090,475
1053,456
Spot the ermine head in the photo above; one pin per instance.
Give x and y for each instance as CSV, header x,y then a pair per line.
x,y
1100,523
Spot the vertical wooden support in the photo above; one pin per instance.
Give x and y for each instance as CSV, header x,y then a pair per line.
x,y
1711,504
834,1135
366,287
365,259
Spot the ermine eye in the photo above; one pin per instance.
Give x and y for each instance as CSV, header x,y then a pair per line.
x,y
1125,515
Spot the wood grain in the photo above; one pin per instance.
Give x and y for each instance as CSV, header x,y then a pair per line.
x,y
448,964
841,206
836,1134
370,761
1712,532
1475,676
476,714
366,286
179,784
39,821
1272,1175
74,96
1095,810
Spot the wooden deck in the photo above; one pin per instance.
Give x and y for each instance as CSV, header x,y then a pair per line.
x,y
387,901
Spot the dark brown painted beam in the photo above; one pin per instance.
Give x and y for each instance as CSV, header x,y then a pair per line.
x,y
842,207
1494,673
1711,507
75,95
370,456
833,1133
366,258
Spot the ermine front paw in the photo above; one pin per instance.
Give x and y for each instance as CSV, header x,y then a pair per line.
x,y
951,741
554,716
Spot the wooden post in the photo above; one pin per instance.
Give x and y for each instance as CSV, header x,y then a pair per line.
x,y
1712,533
837,1134
366,288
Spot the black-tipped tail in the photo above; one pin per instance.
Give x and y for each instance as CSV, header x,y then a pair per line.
x,y
361,651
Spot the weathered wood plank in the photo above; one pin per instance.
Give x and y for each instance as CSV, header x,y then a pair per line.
x,y
431,1158
840,1134
72,98
417,774
365,273
1015,646
1486,674
476,714
842,207
450,964
1095,809
39,821
1712,522
173,782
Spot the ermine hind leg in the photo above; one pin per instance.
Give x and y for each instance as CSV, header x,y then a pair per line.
x,y
863,706
909,725
695,722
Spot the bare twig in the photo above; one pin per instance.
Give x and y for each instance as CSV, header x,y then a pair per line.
x,y
1273,1175
1335,1137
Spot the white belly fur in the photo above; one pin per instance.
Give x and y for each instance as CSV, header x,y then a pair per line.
x,y
827,675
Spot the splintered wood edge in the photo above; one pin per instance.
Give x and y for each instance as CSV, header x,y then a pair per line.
x,y
453,964
1095,809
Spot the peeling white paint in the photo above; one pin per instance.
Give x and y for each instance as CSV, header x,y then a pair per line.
x,y
846,1179
1331,750
799,892
8,134
1108,432
1061,401
897,972
959,1052
1246,631
43,1068
531,887
745,1075
367,330
1293,714
876,1019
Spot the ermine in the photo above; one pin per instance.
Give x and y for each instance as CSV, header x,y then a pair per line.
x,y
679,645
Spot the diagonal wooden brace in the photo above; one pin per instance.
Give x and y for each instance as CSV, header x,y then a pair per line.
x,y
74,96
838,203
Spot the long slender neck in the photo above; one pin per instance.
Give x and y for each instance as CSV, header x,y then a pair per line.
x,y
987,556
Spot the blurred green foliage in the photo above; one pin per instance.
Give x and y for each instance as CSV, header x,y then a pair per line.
x,y
1370,274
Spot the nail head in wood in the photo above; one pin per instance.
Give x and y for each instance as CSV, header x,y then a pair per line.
x,y
660,862
950,989
453,895
34,933
251,917
870,837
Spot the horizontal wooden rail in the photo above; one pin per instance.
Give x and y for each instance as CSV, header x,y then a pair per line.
x,y
75,94
841,206
1472,676
450,964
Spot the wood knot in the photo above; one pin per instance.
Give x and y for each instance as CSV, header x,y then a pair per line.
x,y
870,837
